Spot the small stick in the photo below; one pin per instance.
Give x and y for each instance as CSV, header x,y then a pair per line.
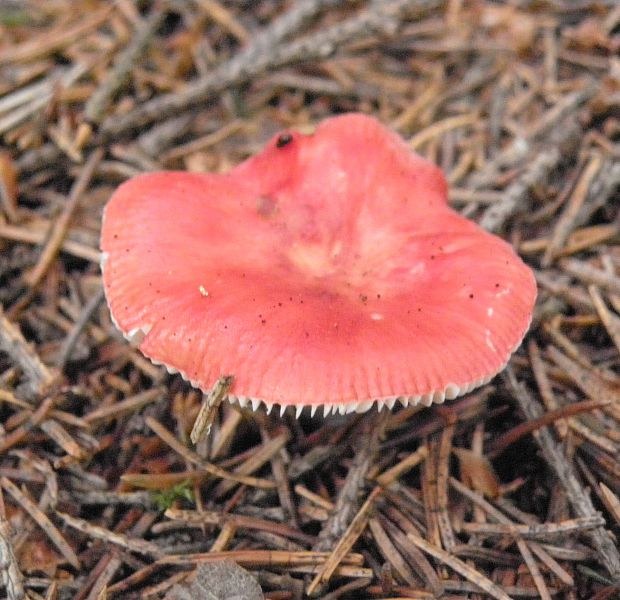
x,y
61,225
257,558
36,236
210,403
534,531
534,570
537,172
566,222
42,521
405,465
587,380
460,567
100,533
344,545
13,343
61,436
8,186
265,54
518,149
55,39
117,76
577,496
512,435
17,435
441,127
347,502
539,371
589,274
212,517
71,340
192,457
390,552
256,460
611,501
304,492
226,432
223,17
128,405
12,578
609,320
429,483
283,485
201,143
440,490
415,556
525,548
551,563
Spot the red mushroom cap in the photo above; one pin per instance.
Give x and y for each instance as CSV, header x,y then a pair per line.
x,y
327,270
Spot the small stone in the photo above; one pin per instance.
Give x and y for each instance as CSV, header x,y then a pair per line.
x,y
223,580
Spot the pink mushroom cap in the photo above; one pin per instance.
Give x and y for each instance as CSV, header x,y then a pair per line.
x,y
328,270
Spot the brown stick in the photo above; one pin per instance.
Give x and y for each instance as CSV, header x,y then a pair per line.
x,y
577,496
13,343
61,225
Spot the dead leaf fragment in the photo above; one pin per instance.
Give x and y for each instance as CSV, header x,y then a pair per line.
x,y
477,472
37,556
8,185
509,26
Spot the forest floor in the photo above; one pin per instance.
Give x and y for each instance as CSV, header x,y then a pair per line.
x,y
512,491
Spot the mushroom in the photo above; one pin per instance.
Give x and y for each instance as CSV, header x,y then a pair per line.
x,y
328,270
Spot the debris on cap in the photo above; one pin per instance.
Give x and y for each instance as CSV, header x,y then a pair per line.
x,y
327,271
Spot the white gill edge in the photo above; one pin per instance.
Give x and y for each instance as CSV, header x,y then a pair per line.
x,y
450,392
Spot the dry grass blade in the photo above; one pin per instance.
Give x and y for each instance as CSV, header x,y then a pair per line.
x,y
479,580
100,533
612,501
405,465
238,521
193,458
390,553
127,405
258,458
566,222
262,558
344,545
510,437
587,380
611,322
541,531
56,38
